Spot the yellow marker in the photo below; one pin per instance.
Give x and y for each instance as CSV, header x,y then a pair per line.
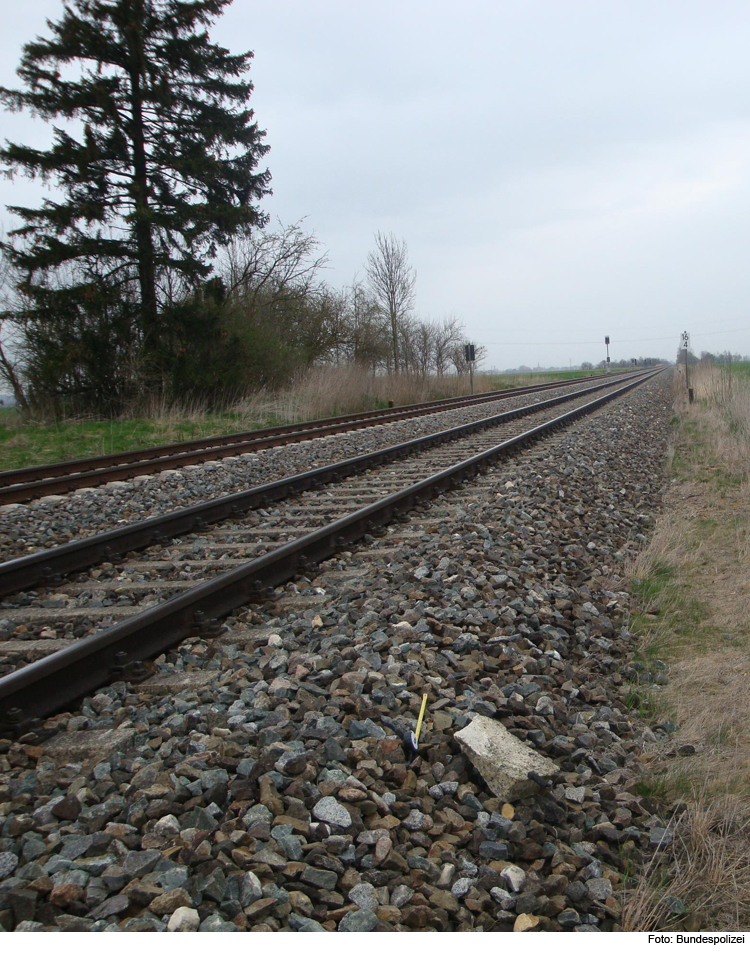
x,y
421,717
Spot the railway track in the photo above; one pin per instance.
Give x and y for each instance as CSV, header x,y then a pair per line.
x,y
83,633
45,565
28,483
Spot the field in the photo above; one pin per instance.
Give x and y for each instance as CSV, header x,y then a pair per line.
x,y
26,441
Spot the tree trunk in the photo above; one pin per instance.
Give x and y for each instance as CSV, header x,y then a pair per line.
x,y
140,189
9,372
394,333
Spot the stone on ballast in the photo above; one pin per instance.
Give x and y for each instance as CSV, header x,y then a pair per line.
x,y
170,901
8,863
183,920
401,895
515,877
575,794
502,759
331,811
599,888
216,924
506,900
325,879
363,894
660,837
358,921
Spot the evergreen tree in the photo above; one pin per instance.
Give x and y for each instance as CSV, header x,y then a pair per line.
x,y
159,165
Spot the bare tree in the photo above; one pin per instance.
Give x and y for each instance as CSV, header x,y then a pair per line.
x,y
392,281
368,333
278,264
459,361
447,334
423,347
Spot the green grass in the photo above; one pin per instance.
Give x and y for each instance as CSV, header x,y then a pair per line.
x,y
26,443
500,381
741,369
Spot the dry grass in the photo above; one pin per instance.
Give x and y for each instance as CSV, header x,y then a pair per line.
x,y
692,583
330,391
708,870
723,409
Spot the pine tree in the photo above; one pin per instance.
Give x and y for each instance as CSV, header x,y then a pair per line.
x,y
155,160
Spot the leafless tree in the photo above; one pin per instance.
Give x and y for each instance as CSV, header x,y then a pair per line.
x,y
447,334
392,281
279,264
368,334
458,360
423,347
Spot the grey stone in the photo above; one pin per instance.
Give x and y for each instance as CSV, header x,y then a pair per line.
x,y
502,759
216,924
29,926
363,894
506,900
8,863
401,895
250,889
494,851
311,926
660,837
362,729
461,887
326,879
110,908
358,921
138,863
599,888
33,849
576,891
331,811
75,847
416,820
568,918
172,878
575,794
258,812
88,744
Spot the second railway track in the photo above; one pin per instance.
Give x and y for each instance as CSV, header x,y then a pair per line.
x,y
53,479
64,640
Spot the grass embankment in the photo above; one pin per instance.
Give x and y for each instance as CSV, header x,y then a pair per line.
x,y
692,591
26,441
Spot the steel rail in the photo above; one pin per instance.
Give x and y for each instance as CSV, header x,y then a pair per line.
x,y
46,566
28,483
47,685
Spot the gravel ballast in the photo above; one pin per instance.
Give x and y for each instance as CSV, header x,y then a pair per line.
x,y
55,520
255,782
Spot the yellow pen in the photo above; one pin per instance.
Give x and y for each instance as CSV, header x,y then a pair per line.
x,y
421,718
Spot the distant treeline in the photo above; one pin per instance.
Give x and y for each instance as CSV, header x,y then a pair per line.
x,y
630,362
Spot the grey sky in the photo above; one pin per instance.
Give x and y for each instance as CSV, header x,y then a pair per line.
x,y
560,170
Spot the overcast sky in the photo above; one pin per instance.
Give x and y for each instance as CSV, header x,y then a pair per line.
x,y
560,169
